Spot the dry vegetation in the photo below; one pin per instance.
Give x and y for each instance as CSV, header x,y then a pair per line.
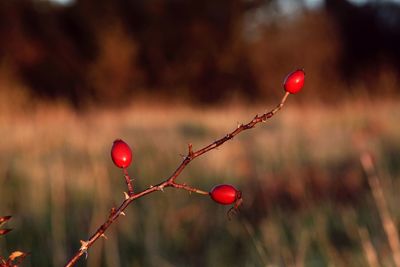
x,y
304,189
307,201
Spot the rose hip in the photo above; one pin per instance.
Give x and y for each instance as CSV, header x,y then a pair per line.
x,y
225,194
294,81
121,154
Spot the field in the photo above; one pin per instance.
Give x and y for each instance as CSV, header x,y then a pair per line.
x,y
307,201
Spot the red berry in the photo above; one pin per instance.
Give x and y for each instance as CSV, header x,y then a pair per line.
x,y
225,194
294,81
121,154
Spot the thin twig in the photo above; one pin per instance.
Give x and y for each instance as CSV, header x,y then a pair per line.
x,y
377,192
128,181
368,248
261,251
170,181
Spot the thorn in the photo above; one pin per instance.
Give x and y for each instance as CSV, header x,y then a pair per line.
x,y
122,213
126,195
86,254
104,236
190,147
151,186
239,125
84,246
161,188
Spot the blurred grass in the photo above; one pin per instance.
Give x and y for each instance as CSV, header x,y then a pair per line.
x,y
305,194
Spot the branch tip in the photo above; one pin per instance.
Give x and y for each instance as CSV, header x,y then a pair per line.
x,y
190,147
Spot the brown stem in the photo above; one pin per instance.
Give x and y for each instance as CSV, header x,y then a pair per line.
x,y
169,182
128,181
189,188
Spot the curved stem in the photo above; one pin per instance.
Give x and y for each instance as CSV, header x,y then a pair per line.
x,y
169,182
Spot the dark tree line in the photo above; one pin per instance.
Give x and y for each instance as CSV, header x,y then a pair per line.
x,y
108,51
370,36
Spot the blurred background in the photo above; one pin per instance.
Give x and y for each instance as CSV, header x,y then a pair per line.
x,y
77,74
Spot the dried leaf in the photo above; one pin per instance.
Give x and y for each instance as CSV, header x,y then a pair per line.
x,y
4,231
4,219
17,254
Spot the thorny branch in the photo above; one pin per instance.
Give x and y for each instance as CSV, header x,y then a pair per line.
x,y
170,181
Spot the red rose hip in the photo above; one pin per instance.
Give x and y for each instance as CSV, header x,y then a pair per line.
x,y
294,81
121,154
225,194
